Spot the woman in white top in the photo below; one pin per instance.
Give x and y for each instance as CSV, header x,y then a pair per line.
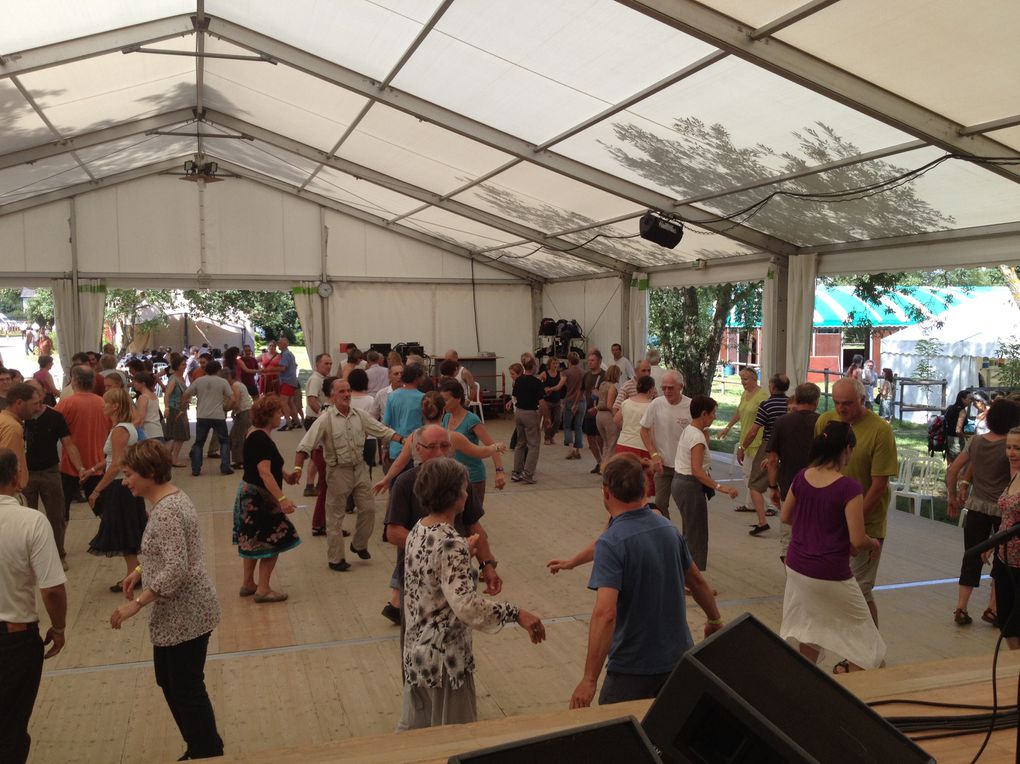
x,y
122,515
627,419
145,410
692,485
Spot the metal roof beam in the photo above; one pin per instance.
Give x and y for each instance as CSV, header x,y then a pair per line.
x,y
46,56
458,123
86,140
788,19
375,220
822,77
421,194
81,188
49,125
995,124
394,71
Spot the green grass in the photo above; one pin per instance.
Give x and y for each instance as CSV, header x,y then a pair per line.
x,y
907,435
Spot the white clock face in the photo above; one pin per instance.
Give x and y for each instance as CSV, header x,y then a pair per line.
x,y
325,290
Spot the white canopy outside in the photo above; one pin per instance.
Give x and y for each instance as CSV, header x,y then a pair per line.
x,y
970,334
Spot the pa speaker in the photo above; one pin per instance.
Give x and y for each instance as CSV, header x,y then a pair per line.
x,y
613,742
744,696
665,233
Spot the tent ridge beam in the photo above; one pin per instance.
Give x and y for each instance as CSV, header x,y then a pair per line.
x,y
485,134
847,88
65,52
791,18
423,195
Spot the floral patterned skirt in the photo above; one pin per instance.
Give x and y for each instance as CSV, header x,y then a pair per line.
x,y
261,529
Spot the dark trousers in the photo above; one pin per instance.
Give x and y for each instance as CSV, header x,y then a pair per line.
x,y
71,485
977,527
47,484
618,688
202,427
180,673
21,659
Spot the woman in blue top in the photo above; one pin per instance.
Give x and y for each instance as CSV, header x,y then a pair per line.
x,y
459,419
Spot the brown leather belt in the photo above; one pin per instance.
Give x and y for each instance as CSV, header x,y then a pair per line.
x,y
11,628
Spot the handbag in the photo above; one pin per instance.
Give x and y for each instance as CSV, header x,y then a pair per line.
x,y
588,426
709,492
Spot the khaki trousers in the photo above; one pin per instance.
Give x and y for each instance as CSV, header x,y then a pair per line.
x,y
342,482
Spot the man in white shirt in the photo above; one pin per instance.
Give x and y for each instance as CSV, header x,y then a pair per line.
x,y
314,402
214,397
396,372
28,560
654,358
661,426
378,375
622,362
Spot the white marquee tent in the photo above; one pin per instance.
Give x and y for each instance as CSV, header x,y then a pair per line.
x,y
969,334
456,169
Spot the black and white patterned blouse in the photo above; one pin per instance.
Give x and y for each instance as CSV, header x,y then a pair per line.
x,y
442,607
173,567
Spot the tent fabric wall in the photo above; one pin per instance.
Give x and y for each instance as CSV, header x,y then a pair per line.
x,y
637,333
800,307
768,352
64,319
439,316
310,309
594,303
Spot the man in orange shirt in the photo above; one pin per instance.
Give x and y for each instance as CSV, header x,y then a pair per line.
x,y
89,427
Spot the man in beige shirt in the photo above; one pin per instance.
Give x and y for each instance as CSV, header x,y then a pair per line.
x,y
24,402
342,430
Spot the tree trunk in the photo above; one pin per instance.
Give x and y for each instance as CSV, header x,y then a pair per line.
x,y
1012,281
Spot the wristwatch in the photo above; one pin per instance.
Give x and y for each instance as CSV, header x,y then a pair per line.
x,y
493,563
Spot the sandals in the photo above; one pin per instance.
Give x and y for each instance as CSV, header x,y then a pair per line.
x,y
770,512
991,617
759,529
271,597
246,591
961,617
843,667
743,508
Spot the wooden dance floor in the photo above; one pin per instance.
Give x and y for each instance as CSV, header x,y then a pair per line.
x,y
323,667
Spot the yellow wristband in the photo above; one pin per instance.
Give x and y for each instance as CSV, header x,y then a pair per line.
x,y
298,468
138,568
715,621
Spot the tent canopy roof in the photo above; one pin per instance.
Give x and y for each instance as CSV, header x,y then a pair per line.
x,y
536,134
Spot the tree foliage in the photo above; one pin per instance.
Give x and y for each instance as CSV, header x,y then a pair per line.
x,y
272,313
10,302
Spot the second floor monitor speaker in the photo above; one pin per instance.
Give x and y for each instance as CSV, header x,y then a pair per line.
x,y
745,696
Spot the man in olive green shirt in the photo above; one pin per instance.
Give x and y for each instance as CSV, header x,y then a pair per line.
x,y
872,464
747,410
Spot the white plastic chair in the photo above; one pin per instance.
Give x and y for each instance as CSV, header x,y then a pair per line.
x,y
902,480
923,484
477,402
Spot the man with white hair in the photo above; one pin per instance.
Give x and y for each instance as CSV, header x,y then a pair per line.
x,y
661,425
872,463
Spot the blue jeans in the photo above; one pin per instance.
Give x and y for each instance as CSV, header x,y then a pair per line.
x,y
202,427
573,418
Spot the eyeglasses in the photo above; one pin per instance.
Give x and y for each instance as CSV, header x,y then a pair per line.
x,y
444,446
668,387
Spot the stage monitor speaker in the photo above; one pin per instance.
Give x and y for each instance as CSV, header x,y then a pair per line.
x,y
381,347
665,233
409,348
615,741
745,696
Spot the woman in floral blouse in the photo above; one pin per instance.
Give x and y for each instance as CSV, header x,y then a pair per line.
x,y
175,580
442,606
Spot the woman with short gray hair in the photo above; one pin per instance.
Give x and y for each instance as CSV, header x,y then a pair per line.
x,y
442,605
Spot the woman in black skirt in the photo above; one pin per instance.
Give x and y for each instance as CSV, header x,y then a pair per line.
x,y
261,527
122,516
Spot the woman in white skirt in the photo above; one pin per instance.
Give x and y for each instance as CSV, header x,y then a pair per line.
x,y
823,607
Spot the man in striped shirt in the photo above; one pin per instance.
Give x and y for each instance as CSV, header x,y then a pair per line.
x,y
769,411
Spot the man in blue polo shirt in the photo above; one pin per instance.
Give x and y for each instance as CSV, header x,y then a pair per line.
x,y
290,387
403,406
640,617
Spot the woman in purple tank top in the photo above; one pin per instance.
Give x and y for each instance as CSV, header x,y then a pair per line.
x,y
823,607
